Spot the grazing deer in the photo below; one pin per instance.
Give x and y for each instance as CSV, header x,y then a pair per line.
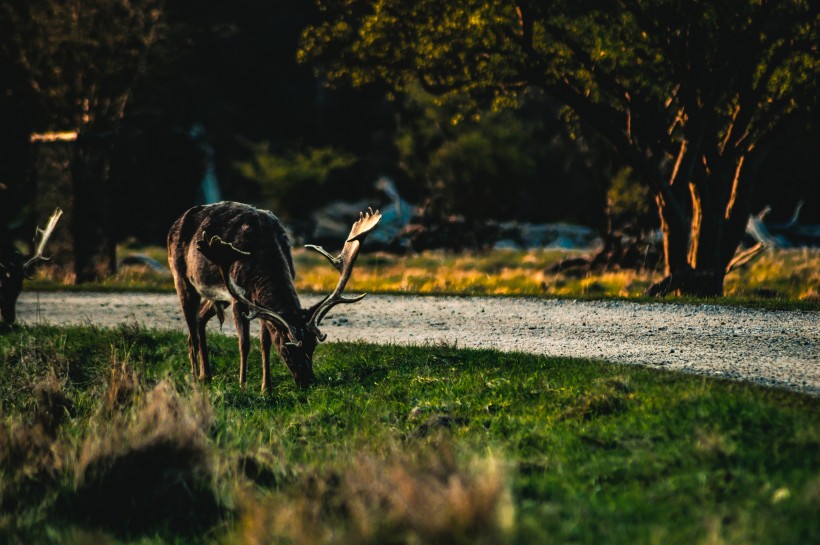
x,y
231,253
14,268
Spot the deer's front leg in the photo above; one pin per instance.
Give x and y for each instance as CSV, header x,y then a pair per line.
x,y
265,340
243,327
190,306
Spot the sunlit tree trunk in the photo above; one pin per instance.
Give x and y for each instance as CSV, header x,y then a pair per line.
x,y
699,250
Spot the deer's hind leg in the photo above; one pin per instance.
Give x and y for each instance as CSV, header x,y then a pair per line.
x,y
190,301
206,312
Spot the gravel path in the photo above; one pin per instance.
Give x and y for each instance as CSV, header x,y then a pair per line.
x,y
774,348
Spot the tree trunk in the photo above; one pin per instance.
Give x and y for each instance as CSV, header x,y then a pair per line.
x,y
705,260
719,207
675,237
95,249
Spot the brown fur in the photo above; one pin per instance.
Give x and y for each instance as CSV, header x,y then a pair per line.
x,y
266,275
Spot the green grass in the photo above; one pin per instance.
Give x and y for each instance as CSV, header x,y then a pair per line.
x,y
778,279
393,445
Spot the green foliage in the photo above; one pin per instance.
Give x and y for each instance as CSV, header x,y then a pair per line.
x,y
486,167
627,197
618,66
412,444
518,163
482,167
362,41
293,183
629,206
81,58
690,94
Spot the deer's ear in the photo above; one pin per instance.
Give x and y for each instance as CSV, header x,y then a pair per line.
x,y
218,251
204,247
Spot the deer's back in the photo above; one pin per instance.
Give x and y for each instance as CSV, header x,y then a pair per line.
x,y
246,227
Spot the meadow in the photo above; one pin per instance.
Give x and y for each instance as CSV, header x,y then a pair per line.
x,y
105,439
786,278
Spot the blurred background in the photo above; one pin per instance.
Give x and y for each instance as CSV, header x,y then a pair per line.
x,y
125,114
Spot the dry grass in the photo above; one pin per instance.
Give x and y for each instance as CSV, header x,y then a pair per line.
x,y
32,456
151,467
792,273
786,275
123,387
429,498
143,463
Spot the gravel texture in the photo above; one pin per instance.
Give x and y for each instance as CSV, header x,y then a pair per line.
x,y
774,348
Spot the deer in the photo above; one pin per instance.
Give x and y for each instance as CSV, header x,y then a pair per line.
x,y
234,254
14,268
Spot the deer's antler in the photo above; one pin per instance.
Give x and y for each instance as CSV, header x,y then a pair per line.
x,y
223,255
44,235
344,263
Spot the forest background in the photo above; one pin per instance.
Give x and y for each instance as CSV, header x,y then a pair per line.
x,y
164,95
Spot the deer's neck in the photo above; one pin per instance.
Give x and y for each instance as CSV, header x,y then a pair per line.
x,y
277,294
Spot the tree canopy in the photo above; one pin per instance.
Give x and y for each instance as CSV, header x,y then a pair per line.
x,y
690,93
638,69
81,58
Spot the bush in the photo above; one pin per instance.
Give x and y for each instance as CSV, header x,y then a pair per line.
x,y
294,183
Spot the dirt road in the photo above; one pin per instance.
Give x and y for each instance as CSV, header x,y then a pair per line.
x,y
774,348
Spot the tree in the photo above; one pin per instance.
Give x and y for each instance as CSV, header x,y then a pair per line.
x,y
79,61
690,94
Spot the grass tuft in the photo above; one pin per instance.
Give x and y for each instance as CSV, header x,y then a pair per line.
x,y
150,469
52,405
123,388
606,397
427,497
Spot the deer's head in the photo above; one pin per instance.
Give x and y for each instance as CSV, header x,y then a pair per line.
x,y
11,282
13,269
